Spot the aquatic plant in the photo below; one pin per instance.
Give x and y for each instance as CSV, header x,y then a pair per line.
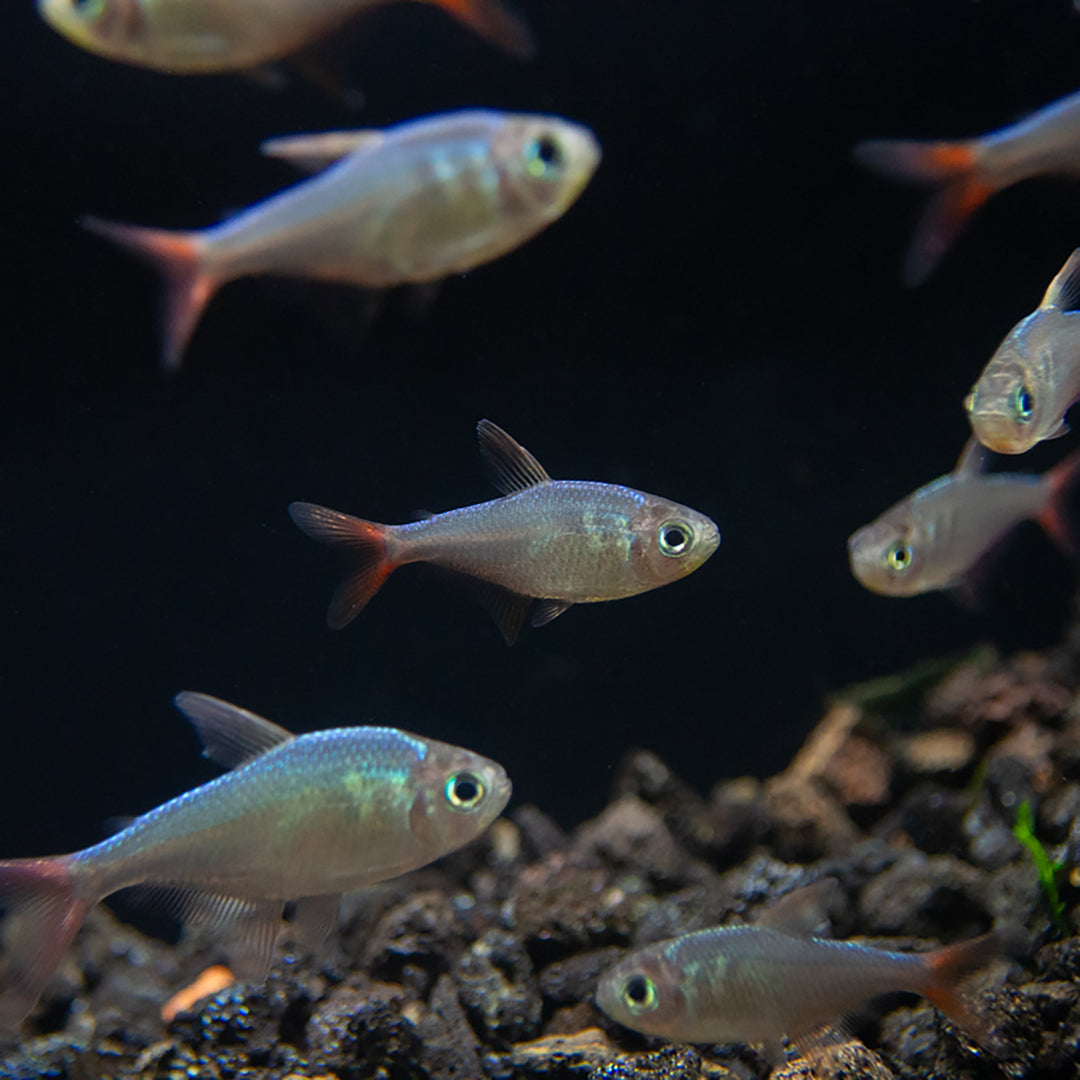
x,y
1047,869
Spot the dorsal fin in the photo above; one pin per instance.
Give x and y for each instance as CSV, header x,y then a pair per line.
x,y
231,736
973,459
310,153
510,466
806,912
1064,290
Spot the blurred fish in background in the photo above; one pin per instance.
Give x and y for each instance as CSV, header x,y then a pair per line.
x,y
969,171
561,542
208,36
408,204
934,538
1034,376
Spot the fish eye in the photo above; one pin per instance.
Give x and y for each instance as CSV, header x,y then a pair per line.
x,y
1023,403
639,994
543,154
899,557
675,538
464,791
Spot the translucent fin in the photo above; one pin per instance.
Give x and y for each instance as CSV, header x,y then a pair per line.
x,y
510,466
230,735
948,968
310,153
547,610
316,919
973,459
508,608
367,543
180,258
1064,290
42,915
806,912
950,164
495,23
248,929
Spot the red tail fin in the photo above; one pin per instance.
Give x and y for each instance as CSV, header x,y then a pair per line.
x,y
492,21
948,968
367,542
180,258
1055,517
951,164
42,916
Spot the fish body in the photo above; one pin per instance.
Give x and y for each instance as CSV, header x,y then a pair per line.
x,y
563,542
933,538
755,984
969,171
307,816
409,204
1034,376
208,36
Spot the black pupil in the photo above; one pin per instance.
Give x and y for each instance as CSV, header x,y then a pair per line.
x,y
466,789
675,538
900,555
1025,401
637,989
546,150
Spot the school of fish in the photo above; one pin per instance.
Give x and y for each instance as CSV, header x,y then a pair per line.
x,y
305,818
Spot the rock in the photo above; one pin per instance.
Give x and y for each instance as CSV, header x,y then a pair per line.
x,y
938,754
843,1061
631,835
496,986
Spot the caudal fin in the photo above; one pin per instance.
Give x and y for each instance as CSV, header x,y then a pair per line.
x,y
1057,518
495,23
949,165
41,915
366,542
179,256
949,968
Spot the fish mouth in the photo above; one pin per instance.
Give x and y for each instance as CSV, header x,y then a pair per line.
x,y
998,432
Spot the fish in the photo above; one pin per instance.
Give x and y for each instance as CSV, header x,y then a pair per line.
x,y
935,537
561,542
299,818
408,204
756,984
969,171
1034,375
202,37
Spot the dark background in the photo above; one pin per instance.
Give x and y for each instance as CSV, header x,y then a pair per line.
x,y
718,320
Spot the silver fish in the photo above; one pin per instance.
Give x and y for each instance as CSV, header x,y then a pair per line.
x,y
1034,376
934,537
754,984
969,171
562,541
409,204
301,818
205,36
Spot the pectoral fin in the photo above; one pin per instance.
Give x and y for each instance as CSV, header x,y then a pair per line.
x,y
547,610
231,736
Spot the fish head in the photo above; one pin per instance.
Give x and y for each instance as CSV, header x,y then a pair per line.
x,y
644,992
669,541
1009,407
544,163
887,556
111,28
458,795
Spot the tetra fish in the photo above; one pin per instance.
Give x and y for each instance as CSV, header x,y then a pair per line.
x,y
302,818
561,542
1034,376
969,171
409,204
933,538
757,984
205,36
